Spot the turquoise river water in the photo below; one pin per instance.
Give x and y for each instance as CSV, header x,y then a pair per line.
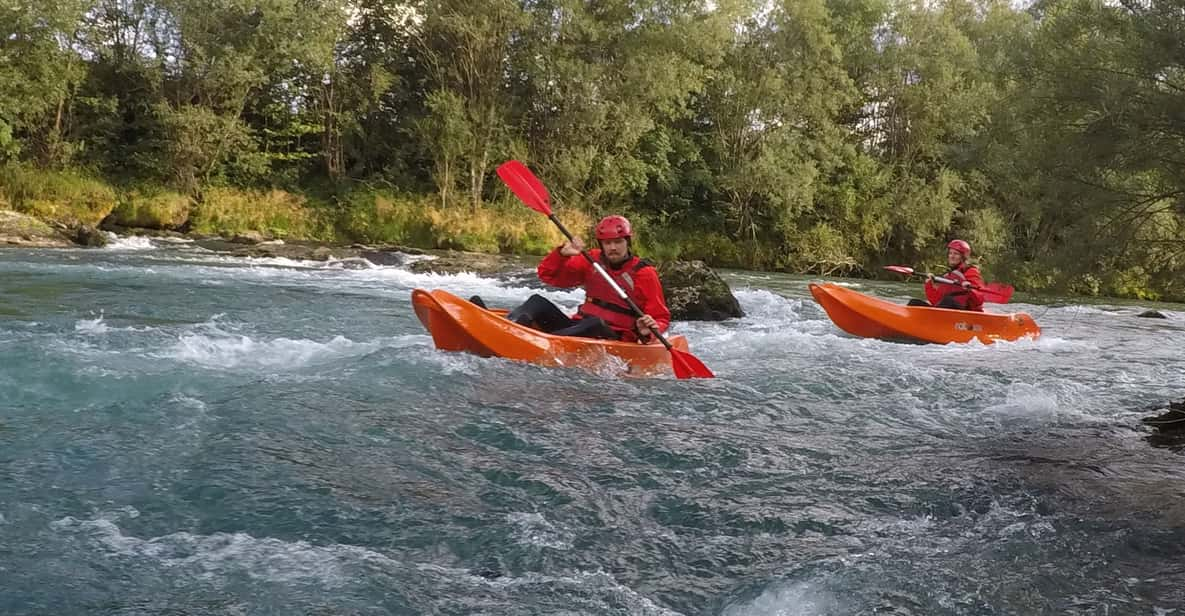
x,y
188,433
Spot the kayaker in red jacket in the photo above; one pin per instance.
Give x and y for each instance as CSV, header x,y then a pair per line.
x,y
603,314
961,295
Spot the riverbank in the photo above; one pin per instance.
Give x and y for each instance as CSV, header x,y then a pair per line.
x,y
62,208
694,291
335,215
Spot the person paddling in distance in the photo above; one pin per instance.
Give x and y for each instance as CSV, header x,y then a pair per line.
x,y
603,314
960,293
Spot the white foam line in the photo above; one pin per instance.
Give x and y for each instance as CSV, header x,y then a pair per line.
x,y
224,553
789,599
225,351
383,280
128,243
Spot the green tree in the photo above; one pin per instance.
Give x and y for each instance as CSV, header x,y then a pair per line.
x,y
466,49
40,73
604,85
1098,144
768,120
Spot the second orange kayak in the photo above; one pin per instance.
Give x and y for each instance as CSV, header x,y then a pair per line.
x,y
457,325
869,317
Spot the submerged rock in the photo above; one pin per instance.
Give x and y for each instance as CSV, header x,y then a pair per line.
x,y
1151,314
108,225
87,236
696,293
454,262
390,255
1169,426
250,236
386,258
387,248
296,252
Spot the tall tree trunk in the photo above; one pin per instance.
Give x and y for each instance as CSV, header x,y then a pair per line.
x,y
477,177
51,149
477,169
57,123
331,148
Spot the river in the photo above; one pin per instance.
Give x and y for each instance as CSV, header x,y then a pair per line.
x,y
188,433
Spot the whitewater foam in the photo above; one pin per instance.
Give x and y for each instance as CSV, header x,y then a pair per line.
x,y
94,326
1026,401
222,351
599,581
532,529
128,243
793,599
766,307
221,554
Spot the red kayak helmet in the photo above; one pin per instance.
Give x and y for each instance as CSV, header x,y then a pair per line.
x,y
614,227
963,247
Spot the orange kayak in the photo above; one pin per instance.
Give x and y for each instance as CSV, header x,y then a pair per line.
x,y
457,325
869,317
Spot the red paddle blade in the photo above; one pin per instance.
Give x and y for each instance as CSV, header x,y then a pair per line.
x,y
900,269
525,186
996,293
688,366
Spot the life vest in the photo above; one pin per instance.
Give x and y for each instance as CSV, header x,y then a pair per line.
x,y
600,300
965,299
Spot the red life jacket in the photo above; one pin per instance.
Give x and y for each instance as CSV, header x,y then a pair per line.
x,y
600,300
964,298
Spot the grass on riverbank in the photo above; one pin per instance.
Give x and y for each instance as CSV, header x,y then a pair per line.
x,y
151,207
350,215
66,197
421,221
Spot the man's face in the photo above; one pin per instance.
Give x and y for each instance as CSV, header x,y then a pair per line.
x,y
953,257
616,250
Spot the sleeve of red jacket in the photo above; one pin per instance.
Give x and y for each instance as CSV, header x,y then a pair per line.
x,y
564,272
653,302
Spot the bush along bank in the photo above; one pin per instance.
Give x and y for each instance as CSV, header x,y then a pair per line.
x,y
63,200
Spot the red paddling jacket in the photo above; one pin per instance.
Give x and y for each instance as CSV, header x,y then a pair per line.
x,y
636,276
967,299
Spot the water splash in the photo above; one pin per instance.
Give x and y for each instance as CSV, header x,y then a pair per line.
x,y
128,243
795,599
225,351
92,327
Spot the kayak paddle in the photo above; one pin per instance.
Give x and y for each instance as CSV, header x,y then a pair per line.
x,y
534,195
995,292
900,269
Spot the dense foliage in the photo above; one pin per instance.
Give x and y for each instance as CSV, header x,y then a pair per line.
x,y
823,136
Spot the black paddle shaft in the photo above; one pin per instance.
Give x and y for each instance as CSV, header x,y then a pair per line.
x,y
596,266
